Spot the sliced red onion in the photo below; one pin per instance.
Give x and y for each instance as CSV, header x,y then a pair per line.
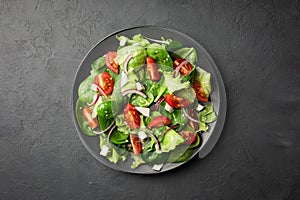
x,y
156,140
126,63
109,134
95,99
96,87
189,117
168,129
160,100
105,130
134,91
178,68
158,41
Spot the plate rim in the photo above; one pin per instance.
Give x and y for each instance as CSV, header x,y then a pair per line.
x,y
219,123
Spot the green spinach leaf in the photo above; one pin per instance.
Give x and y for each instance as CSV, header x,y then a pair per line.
x,y
139,57
161,56
180,154
140,101
85,93
99,64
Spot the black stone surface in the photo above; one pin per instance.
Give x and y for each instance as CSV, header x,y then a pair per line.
x,y
256,46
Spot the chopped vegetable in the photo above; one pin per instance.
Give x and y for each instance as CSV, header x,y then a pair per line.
x,y
105,130
169,108
87,113
134,91
146,99
199,107
126,63
176,101
159,121
110,60
136,144
161,99
143,111
179,66
96,97
132,116
189,117
152,70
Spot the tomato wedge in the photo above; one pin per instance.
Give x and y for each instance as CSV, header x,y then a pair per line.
x,y
132,116
159,121
176,101
87,113
200,95
189,136
111,63
136,143
185,69
152,69
105,81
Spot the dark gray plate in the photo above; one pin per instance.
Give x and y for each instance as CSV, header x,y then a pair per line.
x,y
218,95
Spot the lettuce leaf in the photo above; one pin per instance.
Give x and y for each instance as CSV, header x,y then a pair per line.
x,y
121,124
207,115
140,101
113,156
137,161
174,84
170,141
172,44
99,65
131,83
161,56
119,101
85,93
118,137
180,154
188,93
203,127
139,57
204,79
156,88
136,40
187,53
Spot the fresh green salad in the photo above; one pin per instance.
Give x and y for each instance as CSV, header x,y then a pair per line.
x,y
146,100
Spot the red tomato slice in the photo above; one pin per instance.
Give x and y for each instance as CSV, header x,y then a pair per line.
x,y
152,69
176,101
87,113
105,81
201,96
111,63
159,121
136,144
189,136
185,69
132,116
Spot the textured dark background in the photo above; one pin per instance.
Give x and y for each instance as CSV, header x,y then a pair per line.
x,y
256,46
